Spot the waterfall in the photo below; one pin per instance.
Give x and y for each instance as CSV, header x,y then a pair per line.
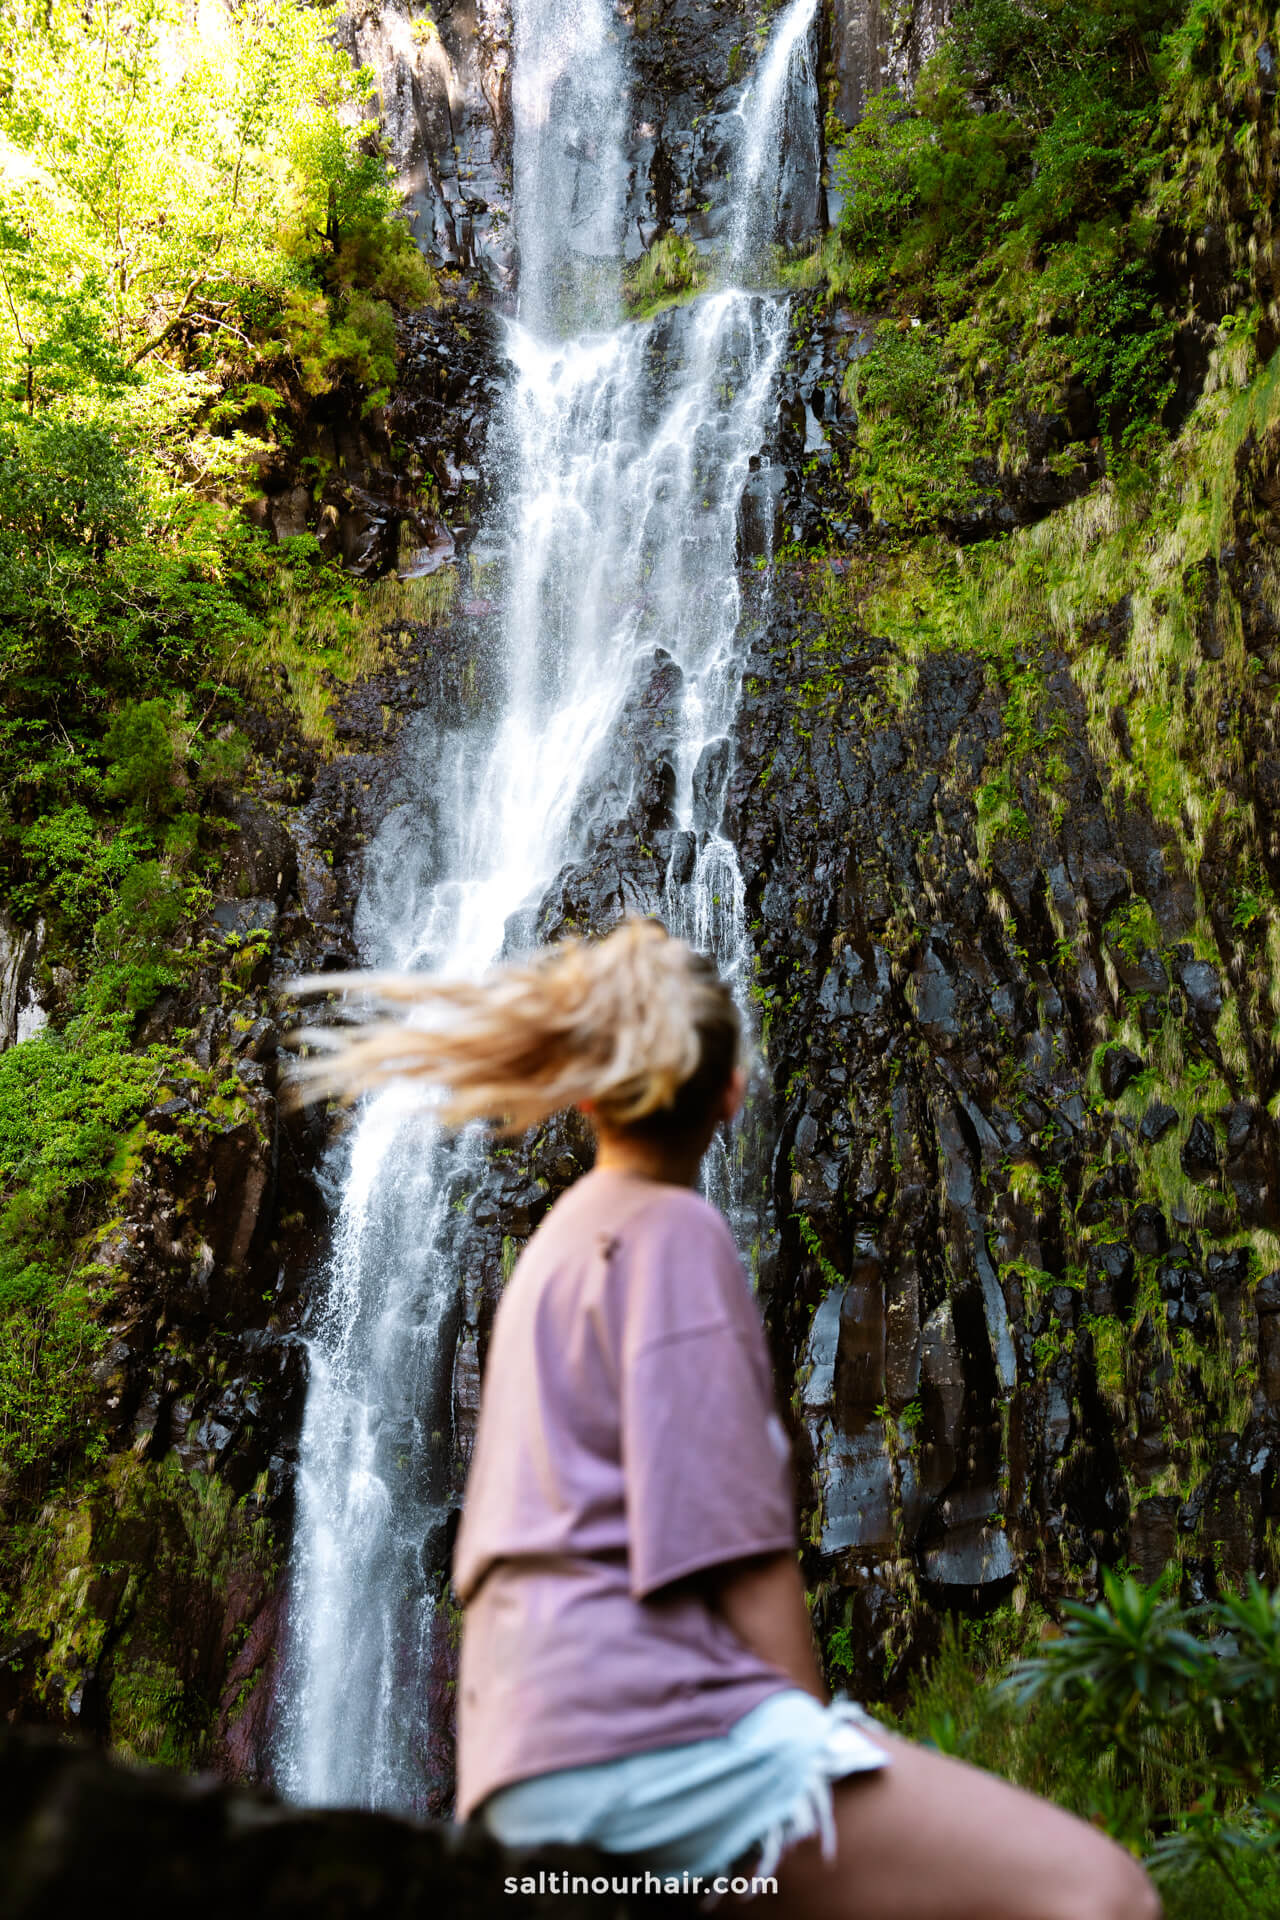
x,y
569,105
777,161
623,455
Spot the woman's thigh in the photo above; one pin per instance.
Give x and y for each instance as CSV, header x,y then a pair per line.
x,y
931,1839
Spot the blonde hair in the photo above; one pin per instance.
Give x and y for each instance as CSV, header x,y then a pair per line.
x,y
637,1024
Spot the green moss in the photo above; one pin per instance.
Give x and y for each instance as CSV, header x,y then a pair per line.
x,y
830,1275
140,1564
669,273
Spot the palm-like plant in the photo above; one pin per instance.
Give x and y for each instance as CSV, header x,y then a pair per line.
x,y
1190,1717
1129,1656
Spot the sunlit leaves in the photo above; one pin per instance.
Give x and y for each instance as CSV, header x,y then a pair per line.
x,y
168,175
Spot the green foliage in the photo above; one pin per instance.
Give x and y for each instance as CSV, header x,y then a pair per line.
x,y
65,482
1014,201
181,175
670,269
196,227
1155,1719
197,232
876,167
139,750
1130,1650
1188,1718
133,942
66,1100
193,1552
915,439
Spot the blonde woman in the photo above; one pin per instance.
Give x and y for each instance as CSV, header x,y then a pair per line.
x,y
637,1668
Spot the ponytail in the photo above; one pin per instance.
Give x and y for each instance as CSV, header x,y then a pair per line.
x,y
637,1024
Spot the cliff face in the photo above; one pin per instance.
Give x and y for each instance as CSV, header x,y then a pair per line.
x,y
1025,1170
873,46
1015,1174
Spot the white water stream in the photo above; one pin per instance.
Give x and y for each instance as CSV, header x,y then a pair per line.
x,y
623,456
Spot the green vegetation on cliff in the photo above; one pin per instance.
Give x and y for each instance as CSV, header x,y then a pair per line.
x,y
197,235
1073,198
1060,447
200,238
1151,1718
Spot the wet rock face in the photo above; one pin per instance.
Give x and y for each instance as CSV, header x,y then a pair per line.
x,y
875,45
21,1011
443,80
400,487
690,60
444,100
1006,1288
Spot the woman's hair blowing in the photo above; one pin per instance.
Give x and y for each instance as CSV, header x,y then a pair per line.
x,y
637,1023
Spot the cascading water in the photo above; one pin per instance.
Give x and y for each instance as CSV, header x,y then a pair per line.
x,y
624,456
778,151
569,109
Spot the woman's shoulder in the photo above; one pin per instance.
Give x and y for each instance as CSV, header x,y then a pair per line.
x,y
636,1209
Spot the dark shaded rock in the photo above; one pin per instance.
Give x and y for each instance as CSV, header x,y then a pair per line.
x,y
1228,1273
1109,1288
1146,974
1153,1532
1199,1155
79,1832
1147,1230
261,861
684,853
1105,884
243,917
1119,1066
709,777
760,512
1253,1164
1266,1299
1156,1121
1200,984
1269,1359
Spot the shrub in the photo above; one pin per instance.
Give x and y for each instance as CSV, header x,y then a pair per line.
x,y
916,439
133,942
1155,1719
142,760
66,1103
1013,199
66,482
876,168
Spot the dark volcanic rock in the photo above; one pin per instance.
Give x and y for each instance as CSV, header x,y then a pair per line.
x,y
79,1832
1157,1120
1119,1066
1199,1155
1109,1288
1148,1231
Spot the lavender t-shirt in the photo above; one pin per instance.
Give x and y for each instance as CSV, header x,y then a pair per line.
x,y
627,1438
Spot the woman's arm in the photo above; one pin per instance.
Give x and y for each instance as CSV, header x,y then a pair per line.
x,y
763,1602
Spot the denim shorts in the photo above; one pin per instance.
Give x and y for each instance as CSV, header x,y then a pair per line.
x,y
758,1790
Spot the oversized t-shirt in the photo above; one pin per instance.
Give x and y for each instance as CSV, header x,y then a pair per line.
x,y
627,1439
